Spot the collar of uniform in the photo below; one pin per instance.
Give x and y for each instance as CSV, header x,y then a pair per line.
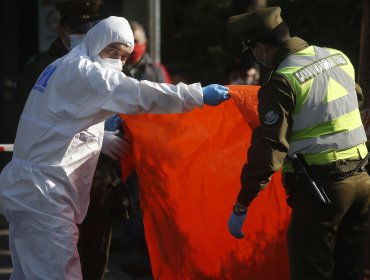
x,y
57,48
293,45
147,59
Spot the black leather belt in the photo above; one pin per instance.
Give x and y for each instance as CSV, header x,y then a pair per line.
x,y
340,169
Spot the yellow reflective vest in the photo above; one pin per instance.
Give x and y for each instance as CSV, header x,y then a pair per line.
x,y
326,124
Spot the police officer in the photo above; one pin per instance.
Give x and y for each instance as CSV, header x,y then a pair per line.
x,y
307,108
76,18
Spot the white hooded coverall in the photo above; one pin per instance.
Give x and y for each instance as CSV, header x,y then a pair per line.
x,y
44,190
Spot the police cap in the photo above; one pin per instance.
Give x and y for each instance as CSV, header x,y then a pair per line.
x,y
79,10
255,24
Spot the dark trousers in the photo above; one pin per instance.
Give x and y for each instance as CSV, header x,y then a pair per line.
x,y
133,236
327,241
93,244
96,229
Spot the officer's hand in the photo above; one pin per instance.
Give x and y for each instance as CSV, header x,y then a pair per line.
x,y
235,224
214,94
113,123
114,146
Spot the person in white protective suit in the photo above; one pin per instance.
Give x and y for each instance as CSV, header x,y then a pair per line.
x,y
44,190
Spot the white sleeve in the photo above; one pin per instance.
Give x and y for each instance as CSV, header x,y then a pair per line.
x,y
129,96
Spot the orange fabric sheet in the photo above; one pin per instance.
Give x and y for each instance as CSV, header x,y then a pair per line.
x,y
189,170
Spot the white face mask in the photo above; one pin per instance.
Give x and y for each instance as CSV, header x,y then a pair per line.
x,y
111,63
75,39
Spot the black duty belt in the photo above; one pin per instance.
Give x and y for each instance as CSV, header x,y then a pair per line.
x,y
340,169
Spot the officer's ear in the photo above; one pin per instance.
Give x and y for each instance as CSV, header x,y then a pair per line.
x,y
259,49
258,45
270,52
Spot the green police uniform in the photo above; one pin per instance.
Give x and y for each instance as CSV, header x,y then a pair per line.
x,y
96,229
34,67
309,106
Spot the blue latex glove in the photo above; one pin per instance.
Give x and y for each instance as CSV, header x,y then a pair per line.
x,y
214,94
235,225
113,123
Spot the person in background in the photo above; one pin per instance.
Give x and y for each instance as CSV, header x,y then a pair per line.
x,y
140,64
244,72
135,256
252,73
76,18
311,126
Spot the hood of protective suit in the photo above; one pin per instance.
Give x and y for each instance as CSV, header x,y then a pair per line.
x,y
107,31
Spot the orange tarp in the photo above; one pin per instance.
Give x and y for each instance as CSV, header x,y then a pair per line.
x,y
189,170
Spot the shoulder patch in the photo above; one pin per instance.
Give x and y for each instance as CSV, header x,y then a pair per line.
x,y
271,116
